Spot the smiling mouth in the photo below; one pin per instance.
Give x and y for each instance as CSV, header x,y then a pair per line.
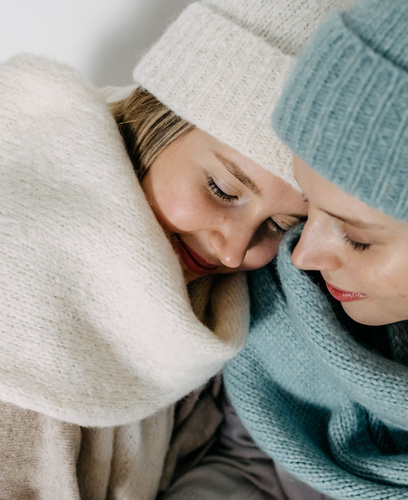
x,y
343,295
193,261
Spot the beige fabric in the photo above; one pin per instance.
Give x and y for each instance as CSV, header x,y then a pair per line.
x,y
98,336
97,327
38,456
45,459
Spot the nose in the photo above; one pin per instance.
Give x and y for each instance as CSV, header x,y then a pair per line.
x,y
231,246
316,250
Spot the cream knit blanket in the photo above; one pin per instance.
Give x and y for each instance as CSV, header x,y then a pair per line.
x,y
96,324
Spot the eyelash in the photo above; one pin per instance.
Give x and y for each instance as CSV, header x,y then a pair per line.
x,y
227,197
219,192
277,228
357,245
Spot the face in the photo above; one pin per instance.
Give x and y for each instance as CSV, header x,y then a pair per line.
x,y
360,252
221,211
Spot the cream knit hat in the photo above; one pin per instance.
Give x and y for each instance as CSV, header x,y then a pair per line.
x,y
222,65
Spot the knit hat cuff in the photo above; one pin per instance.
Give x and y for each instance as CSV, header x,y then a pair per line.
x,y
224,80
344,113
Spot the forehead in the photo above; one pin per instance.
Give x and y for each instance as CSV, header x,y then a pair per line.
x,y
205,146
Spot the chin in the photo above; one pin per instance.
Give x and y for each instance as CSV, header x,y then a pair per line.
x,y
368,317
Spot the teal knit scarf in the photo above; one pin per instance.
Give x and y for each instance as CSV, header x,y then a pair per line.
x,y
329,408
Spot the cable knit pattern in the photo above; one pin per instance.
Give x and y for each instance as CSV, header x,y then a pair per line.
x,y
332,412
97,327
222,66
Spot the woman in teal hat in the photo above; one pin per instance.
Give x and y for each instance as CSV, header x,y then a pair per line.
x,y
322,384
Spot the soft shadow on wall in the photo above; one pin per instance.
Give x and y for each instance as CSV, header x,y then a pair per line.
x,y
122,47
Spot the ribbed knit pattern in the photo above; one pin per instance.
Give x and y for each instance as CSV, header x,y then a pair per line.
x,y
222,65
329,410
345,109
96,325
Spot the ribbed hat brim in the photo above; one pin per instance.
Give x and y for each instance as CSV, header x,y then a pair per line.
x,y
223,79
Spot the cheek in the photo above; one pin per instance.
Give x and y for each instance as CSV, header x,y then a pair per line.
x,y
261,254
392,278
180,211
383,276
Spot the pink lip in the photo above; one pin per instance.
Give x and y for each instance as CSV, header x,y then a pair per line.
x,y
343,295
193,261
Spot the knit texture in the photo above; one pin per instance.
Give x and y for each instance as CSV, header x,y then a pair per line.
x,y
46,458
222,66
97,327
332,411
344,111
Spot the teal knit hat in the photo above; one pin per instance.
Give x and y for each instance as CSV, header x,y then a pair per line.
x,y
344,111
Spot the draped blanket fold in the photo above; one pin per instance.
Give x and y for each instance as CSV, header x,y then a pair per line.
x,y
96,325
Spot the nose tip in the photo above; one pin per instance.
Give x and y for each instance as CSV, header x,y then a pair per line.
x,y
299,258
300,255
231,252
232,259
311,254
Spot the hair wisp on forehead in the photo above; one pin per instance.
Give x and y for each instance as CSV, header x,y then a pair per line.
x,y
147,127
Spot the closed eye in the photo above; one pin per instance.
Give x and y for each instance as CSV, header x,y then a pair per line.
x,y
217,191
273,226
356,244
284,223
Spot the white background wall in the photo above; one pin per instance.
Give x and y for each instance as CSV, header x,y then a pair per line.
x,y
102,38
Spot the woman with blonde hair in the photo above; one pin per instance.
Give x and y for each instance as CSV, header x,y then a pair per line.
x,y
100,334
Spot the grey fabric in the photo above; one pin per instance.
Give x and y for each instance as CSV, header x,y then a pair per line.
x,y
217,481
295,489
197,421
235,468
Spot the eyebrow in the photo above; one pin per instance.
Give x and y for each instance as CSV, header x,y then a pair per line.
x,y
237,172
355,222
